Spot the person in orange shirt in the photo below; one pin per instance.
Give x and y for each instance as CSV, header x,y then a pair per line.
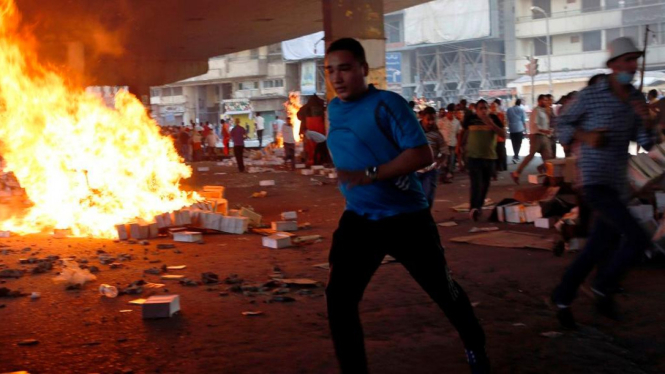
x,y
226,137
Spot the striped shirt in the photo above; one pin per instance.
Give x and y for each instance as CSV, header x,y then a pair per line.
x,y
596,107
437,144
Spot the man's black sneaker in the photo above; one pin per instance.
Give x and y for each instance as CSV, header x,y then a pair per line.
x,y
564,314
478,361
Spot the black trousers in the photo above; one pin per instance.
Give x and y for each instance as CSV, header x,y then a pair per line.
x,y
516,138
359,245
480,172
259,135
501,161
238,152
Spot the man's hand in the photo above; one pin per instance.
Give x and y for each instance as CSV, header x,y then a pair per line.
x,y
353,178
642,110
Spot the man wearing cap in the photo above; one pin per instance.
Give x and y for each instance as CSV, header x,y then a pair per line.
x,y
604,118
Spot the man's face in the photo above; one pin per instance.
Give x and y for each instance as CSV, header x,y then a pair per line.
x,y
450,115
493,107
626,63
460,115
428,120
346,75
482,109
542,102
442,113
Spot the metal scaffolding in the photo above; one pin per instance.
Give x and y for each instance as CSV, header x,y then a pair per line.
x,y
451,72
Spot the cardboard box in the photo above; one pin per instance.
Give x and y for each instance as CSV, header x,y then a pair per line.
x,y
501,211
211,195
289,216
537,178
307,172
153,230
164,220
643,171
210,221
234,225
285,226
512,213
532,212
254,218
657,153
214,188
332,176
139,231
300,166
317,167
161,306
555,168
267,183
234,213
187,237
123,233
7,234
570,172
203,168
544,223
642,212
277,241
181,218
660,202
220,206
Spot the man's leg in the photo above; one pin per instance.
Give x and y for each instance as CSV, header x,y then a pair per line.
x,y
487,171
476,177
259,134
238,153
429,181
533,148
422,255
516,141
354,257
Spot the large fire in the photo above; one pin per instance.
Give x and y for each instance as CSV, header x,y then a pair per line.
x,y
84,166
292,107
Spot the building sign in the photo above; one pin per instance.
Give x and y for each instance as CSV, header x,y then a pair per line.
x,y
647,15
172,109
236,106
308,78
394,68
498,92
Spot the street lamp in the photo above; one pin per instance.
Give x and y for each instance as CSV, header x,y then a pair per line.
x,y
536,9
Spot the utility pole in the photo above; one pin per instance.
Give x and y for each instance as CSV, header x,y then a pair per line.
x,y
644,57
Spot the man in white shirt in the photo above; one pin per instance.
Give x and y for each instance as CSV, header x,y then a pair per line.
x,y
289,143
449,127
277,126
539,137
259,122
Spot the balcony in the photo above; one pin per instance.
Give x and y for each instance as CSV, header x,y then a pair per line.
x,y
264,92
571,22
247,68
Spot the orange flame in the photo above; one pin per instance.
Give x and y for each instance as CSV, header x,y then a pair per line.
x,y
292,107
84,166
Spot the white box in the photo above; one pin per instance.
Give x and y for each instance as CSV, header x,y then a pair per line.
x,y
267,183
161,306
164,220
138,231
221,206
501,211
254,218
7,234
210,221
300,166
203,168
277,241
153,230
544,223
187,237
234,225
285,226
317,167
289,216
307,172
123,234
181,218
532,212
642,212
332,176
234,213
536,178
660,202
514,213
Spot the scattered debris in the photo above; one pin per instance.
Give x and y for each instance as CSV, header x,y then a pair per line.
x,y
161,306
448,224
519,324
209,278
28,342
187,236
252,314
6,292
483,229
281,299
261,194
35,295
551,334
301,282
165,246
73,275
176,267
108,291
11,273
154,271
189,282
172,277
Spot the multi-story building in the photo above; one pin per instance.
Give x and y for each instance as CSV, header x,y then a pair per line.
x,y
580,31
236,85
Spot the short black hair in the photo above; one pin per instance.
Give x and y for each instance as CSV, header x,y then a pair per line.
x,y
518,102
463,102
412,104
497,101
652,93
428,110
351,45
541,97
481,101
451,107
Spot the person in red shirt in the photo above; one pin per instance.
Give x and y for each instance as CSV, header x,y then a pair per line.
x,y
226,137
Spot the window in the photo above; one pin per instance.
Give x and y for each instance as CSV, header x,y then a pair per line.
x,y
275,49
574,39
274,83
592,41
254,53
248,85
632,32
177,91
613,4
590,5
172,91
545,5
155,92
393,29
540,46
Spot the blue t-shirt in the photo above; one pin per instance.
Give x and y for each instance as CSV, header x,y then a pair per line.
x,y
372,131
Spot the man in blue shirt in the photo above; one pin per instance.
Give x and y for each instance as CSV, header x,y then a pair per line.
x,y
604,118
516,123
377,145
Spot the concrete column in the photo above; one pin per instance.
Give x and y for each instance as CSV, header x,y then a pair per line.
x,y
363,21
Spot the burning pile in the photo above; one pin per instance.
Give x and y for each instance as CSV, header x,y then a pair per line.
x,y
292,107
83,166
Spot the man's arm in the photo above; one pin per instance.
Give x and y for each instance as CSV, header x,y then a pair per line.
x,y
567,125
407,162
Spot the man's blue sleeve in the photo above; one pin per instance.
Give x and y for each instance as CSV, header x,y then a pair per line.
x,y
567,122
